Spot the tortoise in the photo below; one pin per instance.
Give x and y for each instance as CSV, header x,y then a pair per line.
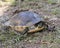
x,y
27,22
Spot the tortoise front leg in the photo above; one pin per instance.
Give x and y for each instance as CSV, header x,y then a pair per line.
x,y
42,24
35,30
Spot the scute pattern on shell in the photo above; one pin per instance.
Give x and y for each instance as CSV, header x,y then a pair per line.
x,y
26,18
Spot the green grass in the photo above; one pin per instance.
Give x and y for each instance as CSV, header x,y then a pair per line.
x,y
52,1
11,2
56,11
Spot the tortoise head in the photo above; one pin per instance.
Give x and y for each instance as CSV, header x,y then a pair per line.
x,y
50,23
50,26
47,25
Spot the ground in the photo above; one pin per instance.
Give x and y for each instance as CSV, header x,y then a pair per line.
x,y
44,39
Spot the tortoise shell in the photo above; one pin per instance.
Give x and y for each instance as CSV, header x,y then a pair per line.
x,y
26,18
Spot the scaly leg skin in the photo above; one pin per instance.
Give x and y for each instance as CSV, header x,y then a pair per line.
x,y
35,30
38,27
42,24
